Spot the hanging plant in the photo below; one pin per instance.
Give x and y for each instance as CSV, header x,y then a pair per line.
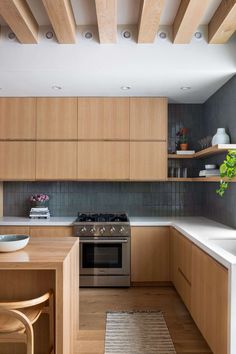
x,y
227,169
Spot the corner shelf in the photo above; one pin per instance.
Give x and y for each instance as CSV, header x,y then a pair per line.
x,y
213,150
199,179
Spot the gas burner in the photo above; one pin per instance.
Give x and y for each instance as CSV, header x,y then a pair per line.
x,y
102,217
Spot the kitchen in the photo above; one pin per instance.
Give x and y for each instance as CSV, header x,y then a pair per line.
x,y
96,98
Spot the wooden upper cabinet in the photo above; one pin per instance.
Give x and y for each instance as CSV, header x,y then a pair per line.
x,y
17,160
17,118
148,160
103,160
150,254
56,160
104,118
56,118
209,300
148,118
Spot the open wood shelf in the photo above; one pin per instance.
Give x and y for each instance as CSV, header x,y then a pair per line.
x,y
213,150
199,179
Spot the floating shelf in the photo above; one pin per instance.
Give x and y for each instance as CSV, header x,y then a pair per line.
x,y
213,150
199,179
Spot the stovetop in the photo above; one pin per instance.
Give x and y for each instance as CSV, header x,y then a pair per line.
x,y
102,224
102,218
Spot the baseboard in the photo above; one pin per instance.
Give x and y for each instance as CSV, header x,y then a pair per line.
x,y
152,283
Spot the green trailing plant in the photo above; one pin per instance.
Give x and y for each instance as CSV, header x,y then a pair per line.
x,y
228,170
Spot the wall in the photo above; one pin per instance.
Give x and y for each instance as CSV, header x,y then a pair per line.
x,y
220,111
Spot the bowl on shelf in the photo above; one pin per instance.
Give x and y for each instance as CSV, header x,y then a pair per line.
x,y
11,243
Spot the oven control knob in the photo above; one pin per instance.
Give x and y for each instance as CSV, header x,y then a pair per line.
x,y
83,229
112,230
102,230
92,230
122,229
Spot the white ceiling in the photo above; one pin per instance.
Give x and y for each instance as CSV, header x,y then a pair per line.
x,y
88,68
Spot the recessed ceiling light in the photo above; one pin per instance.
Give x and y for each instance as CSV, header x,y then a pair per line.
x,y
162,35
125,88
11,36
49,35
56,87
185,88
88,35
198,35
126,34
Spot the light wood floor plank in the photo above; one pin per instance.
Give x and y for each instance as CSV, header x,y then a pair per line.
x,y
94,303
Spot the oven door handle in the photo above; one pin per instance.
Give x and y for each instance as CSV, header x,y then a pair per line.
x,y
103,241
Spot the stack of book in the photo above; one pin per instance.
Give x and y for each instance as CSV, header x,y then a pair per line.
x,y
185,152
39,213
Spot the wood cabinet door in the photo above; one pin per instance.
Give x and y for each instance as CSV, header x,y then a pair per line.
x,y
103,160
181,265
148,118
148,160
56,160
56,118
51,231
18,118
11,230
209,299
150,254
17,160
103,118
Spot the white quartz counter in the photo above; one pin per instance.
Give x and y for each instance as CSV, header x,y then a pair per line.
x,y
20,221
197,229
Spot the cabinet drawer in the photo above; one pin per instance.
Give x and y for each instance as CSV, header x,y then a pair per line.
x,y
7,230
51,231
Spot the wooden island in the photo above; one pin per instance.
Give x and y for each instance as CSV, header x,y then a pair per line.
x,y
45,263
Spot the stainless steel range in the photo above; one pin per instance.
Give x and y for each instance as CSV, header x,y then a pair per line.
x,y
104,249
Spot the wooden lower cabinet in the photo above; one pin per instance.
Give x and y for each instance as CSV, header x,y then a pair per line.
x,y
148,160
209,300
181,265
150,257
51,231
7,230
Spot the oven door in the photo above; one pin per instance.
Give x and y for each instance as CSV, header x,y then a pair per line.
x,y
105,255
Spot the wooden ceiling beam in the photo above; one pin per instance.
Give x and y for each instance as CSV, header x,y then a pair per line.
x,y
223,23
20,19
150,14
187,19
62,19
107,20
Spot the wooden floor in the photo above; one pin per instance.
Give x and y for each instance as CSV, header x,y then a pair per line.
x,y
95,302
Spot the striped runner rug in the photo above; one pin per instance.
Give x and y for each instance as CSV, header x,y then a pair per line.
x,y
137,333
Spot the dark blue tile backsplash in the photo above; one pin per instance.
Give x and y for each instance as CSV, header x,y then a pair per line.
x,y
136,198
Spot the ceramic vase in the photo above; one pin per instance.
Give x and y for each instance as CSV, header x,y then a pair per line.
x,y
220,137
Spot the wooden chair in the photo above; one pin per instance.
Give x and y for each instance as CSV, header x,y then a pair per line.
x,y
17,319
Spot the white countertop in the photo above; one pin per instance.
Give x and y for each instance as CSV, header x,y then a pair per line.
x,y
197,229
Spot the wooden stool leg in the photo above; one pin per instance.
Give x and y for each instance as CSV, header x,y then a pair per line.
x,y
30,338
51,324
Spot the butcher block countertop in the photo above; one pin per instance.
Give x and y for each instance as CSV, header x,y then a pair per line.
x,y
46,253
44,264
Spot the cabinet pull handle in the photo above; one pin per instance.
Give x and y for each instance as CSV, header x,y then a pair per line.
x,y
183,275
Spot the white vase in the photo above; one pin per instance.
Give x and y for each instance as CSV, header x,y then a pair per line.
x,y
220,137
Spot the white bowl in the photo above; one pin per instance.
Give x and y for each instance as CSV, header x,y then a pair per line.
x,y
210,167
10,243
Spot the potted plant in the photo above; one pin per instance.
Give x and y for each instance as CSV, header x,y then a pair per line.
x,y
183,139
227,169
39,200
